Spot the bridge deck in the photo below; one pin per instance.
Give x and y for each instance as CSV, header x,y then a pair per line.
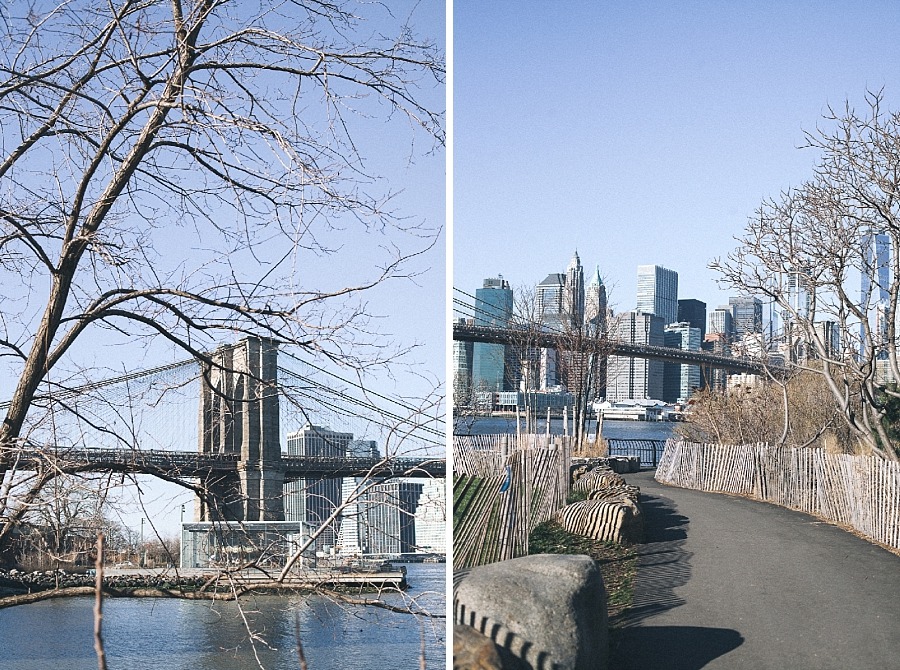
x,y
193,464
605,346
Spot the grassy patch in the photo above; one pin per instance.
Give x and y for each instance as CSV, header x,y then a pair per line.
x,y
618,563
576,496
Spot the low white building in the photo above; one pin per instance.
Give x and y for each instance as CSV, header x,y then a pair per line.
x,y
431,518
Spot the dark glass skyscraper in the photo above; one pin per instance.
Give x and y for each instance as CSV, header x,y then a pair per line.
x,y
693,312
493,307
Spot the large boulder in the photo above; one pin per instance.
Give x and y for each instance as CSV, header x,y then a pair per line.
x,y
544,611
623,464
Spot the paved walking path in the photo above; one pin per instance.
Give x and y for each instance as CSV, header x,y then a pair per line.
x,y
725,582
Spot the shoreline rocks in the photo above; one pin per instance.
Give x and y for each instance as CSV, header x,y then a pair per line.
x,y
30,582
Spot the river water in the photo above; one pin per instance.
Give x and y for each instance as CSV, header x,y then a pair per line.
x,y
150,633
622,430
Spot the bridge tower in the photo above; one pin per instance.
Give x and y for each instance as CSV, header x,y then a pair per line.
x,y
239,415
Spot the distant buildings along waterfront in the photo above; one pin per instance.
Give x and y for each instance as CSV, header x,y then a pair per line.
x,y
563,303
377,517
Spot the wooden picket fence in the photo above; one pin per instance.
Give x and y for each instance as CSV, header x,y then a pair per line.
x,y
503,487
861,492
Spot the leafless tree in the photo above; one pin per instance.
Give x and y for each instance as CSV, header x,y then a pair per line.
x,y
65,519
806,251
584,349
577,359
170,169
524,354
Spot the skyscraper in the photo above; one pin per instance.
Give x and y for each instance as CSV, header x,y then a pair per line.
x,y
312,501
721,322
463,353
550,304
657,292
390,509
680,381
693,312
493,307
799,297
431,517
830,336
636,378
718,343
881,331
746,316
493,303
550,300
876,250
574,293
595,303
381,519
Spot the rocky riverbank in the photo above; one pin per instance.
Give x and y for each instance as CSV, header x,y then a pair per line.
x,y
14,582
19,588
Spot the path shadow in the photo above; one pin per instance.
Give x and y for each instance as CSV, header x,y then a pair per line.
x,y
670,647
663,563
662,522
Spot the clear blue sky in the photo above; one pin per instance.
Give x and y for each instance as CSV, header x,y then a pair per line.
x,y
642,132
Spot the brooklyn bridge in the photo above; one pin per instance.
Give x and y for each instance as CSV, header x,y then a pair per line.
x,y
605,346
234,413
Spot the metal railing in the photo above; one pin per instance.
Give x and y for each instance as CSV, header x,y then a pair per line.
x,y
649,451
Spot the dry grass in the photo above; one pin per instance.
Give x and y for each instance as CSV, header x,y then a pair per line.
x,y
617,562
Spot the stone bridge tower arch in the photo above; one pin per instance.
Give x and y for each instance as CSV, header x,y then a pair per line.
x,y
239,415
